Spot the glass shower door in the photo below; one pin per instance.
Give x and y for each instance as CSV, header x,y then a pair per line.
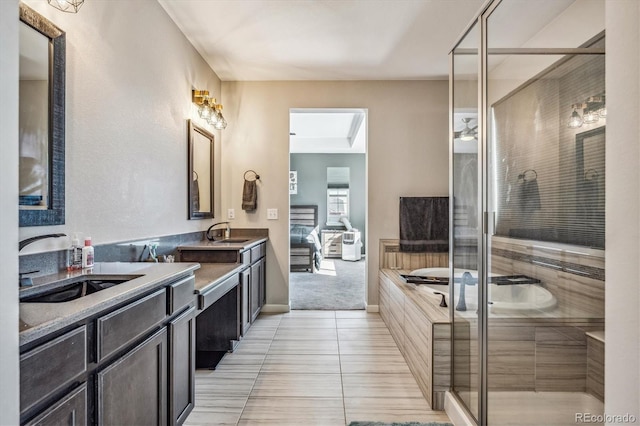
x,y
465,232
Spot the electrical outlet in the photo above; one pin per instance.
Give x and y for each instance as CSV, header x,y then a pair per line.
x,y
231,214
272,214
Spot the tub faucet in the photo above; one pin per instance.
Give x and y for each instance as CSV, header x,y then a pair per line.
x,y
227,231
467,279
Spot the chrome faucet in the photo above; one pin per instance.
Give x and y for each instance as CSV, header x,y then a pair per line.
x,y
210,237
28,241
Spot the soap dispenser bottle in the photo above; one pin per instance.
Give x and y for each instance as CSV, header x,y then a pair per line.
x,y
87,253
75,254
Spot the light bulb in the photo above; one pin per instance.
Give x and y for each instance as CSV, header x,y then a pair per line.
x,y
222,123
590,117
204,111
213,119
575,120
602,112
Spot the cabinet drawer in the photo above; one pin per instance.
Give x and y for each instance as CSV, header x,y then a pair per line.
x,y
71,410
211,296
245,257
181,294
126,324
258,252
52,366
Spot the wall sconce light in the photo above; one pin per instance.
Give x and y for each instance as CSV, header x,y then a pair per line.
x,y
593,108
208,109
70,6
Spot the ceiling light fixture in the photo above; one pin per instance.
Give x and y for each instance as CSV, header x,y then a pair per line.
x,y
70,6
467,134
208,110
593,108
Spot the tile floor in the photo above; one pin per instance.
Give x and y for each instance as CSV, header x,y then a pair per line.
x,y
311,368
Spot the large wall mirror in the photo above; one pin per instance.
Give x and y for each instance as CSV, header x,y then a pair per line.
x,y
200,179
549,172
41,120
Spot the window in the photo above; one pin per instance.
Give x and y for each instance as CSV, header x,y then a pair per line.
x,y
337,195
337,205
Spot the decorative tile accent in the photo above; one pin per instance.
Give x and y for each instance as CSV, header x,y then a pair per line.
x,y
127,251
555,264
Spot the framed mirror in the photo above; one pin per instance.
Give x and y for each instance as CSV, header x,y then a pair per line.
x,y
41,120
200,173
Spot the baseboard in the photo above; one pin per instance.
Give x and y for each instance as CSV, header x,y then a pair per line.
x,y
372,308
275,309
455,411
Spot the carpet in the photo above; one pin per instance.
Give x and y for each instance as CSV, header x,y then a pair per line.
x,y
399,424
337,285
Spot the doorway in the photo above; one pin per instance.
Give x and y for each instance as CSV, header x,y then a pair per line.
x,y
328,208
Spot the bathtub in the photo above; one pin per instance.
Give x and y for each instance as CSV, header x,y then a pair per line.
x,y
519,299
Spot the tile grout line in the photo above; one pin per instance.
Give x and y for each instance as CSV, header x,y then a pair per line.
x,y
258,375
344,404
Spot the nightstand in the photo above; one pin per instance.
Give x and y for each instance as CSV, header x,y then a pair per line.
x,y
331,242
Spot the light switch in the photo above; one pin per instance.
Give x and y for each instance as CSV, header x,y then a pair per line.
x,y
272,214
231,214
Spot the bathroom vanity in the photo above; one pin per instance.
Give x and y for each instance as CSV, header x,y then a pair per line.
x,y
121,355
227,308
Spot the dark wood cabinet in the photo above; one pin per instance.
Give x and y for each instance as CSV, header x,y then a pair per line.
x,y
70,410
245,317
182,353
254,290
52,366
133,389
257,281
132,364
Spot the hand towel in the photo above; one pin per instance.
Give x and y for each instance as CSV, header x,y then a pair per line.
x,y
424,224
249,195
529,196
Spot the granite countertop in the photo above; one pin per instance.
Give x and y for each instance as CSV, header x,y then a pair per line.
x,y
40,319
219,245
211,274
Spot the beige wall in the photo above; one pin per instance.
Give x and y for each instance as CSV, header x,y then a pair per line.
x,y
130,72
407,155
129,77
622,303
9,380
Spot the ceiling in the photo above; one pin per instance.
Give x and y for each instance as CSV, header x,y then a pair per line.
x,y
333,131
263,40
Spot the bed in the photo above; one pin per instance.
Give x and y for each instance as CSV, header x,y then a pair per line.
x,y
305,252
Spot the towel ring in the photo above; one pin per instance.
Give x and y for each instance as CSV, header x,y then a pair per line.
x,y
591,174
533,177
256,176
196,173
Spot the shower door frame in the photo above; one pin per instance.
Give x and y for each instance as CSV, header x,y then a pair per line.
x,y
486,215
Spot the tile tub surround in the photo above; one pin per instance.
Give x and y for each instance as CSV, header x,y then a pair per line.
x,y
422,331
595,364
392,258
575,275
274,377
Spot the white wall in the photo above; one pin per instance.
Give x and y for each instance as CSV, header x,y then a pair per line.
x,y
9,380
622,304
407,155
130,72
